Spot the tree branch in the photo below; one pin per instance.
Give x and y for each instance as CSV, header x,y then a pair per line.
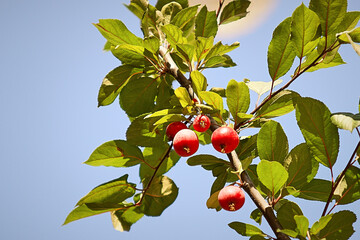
x,y
248,185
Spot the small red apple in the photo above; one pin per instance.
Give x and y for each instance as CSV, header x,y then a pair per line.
x,y
231,198
174,128
186,142
225,139
201,123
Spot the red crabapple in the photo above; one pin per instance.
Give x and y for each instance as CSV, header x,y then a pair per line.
x,y
186,142
173,128
231,198
201,123
225,139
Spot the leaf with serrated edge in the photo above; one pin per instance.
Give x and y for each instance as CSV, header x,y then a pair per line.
x,y
272,174
304,27
233,11
237,98
272,143
281,54
346,121
321,135
206,23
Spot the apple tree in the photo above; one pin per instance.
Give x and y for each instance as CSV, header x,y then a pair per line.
x,y
169,121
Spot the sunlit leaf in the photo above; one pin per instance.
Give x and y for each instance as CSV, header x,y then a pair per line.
x,y
304,27
213,202
346,121
237,98
281,52
173,35
272,174
206,24
124,218
117,153
161,3
320,224
213,99
183,96
161,194
185,19
115,191
117,33
262,87
348,190
316,190
302,225
280,104
114,81
138,96
153,156
199,81
320,134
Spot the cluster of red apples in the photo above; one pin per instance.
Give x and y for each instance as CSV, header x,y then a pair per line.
x,y
224,139
185,141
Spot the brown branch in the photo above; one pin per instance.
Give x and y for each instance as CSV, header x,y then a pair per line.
x,y
248,185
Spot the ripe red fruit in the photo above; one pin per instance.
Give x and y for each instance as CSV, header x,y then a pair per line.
x,y
186,142
174,128
225,139
201,123
231,198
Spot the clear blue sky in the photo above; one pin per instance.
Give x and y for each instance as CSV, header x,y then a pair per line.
x,y
52,65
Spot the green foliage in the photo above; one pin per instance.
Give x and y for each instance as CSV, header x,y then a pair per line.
x,y
178,45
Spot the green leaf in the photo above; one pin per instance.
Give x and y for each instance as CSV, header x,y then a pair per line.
x,y
272,143
203,45
301,166
319,225
138,96
84,211
247,147
114,81
206,23
132,55
320,134
286,214
173,35
161,3
277,106
272,174
213,202
186,52
339,227
256,215
153,157
199,81
161,194
165,112
331,14
246,229
346,121
138,7
316,190
185,19
262,87
115,191
304,28
117,153
183,96
124,218
348,36
170,10
237,98
116,32
170,118
151,20
142,132
213,99
219,61
335,62
220,181
302,225
219,49
348,190
205,159
281,54
233,11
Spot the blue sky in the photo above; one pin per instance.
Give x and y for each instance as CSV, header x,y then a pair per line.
x,y
52,65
